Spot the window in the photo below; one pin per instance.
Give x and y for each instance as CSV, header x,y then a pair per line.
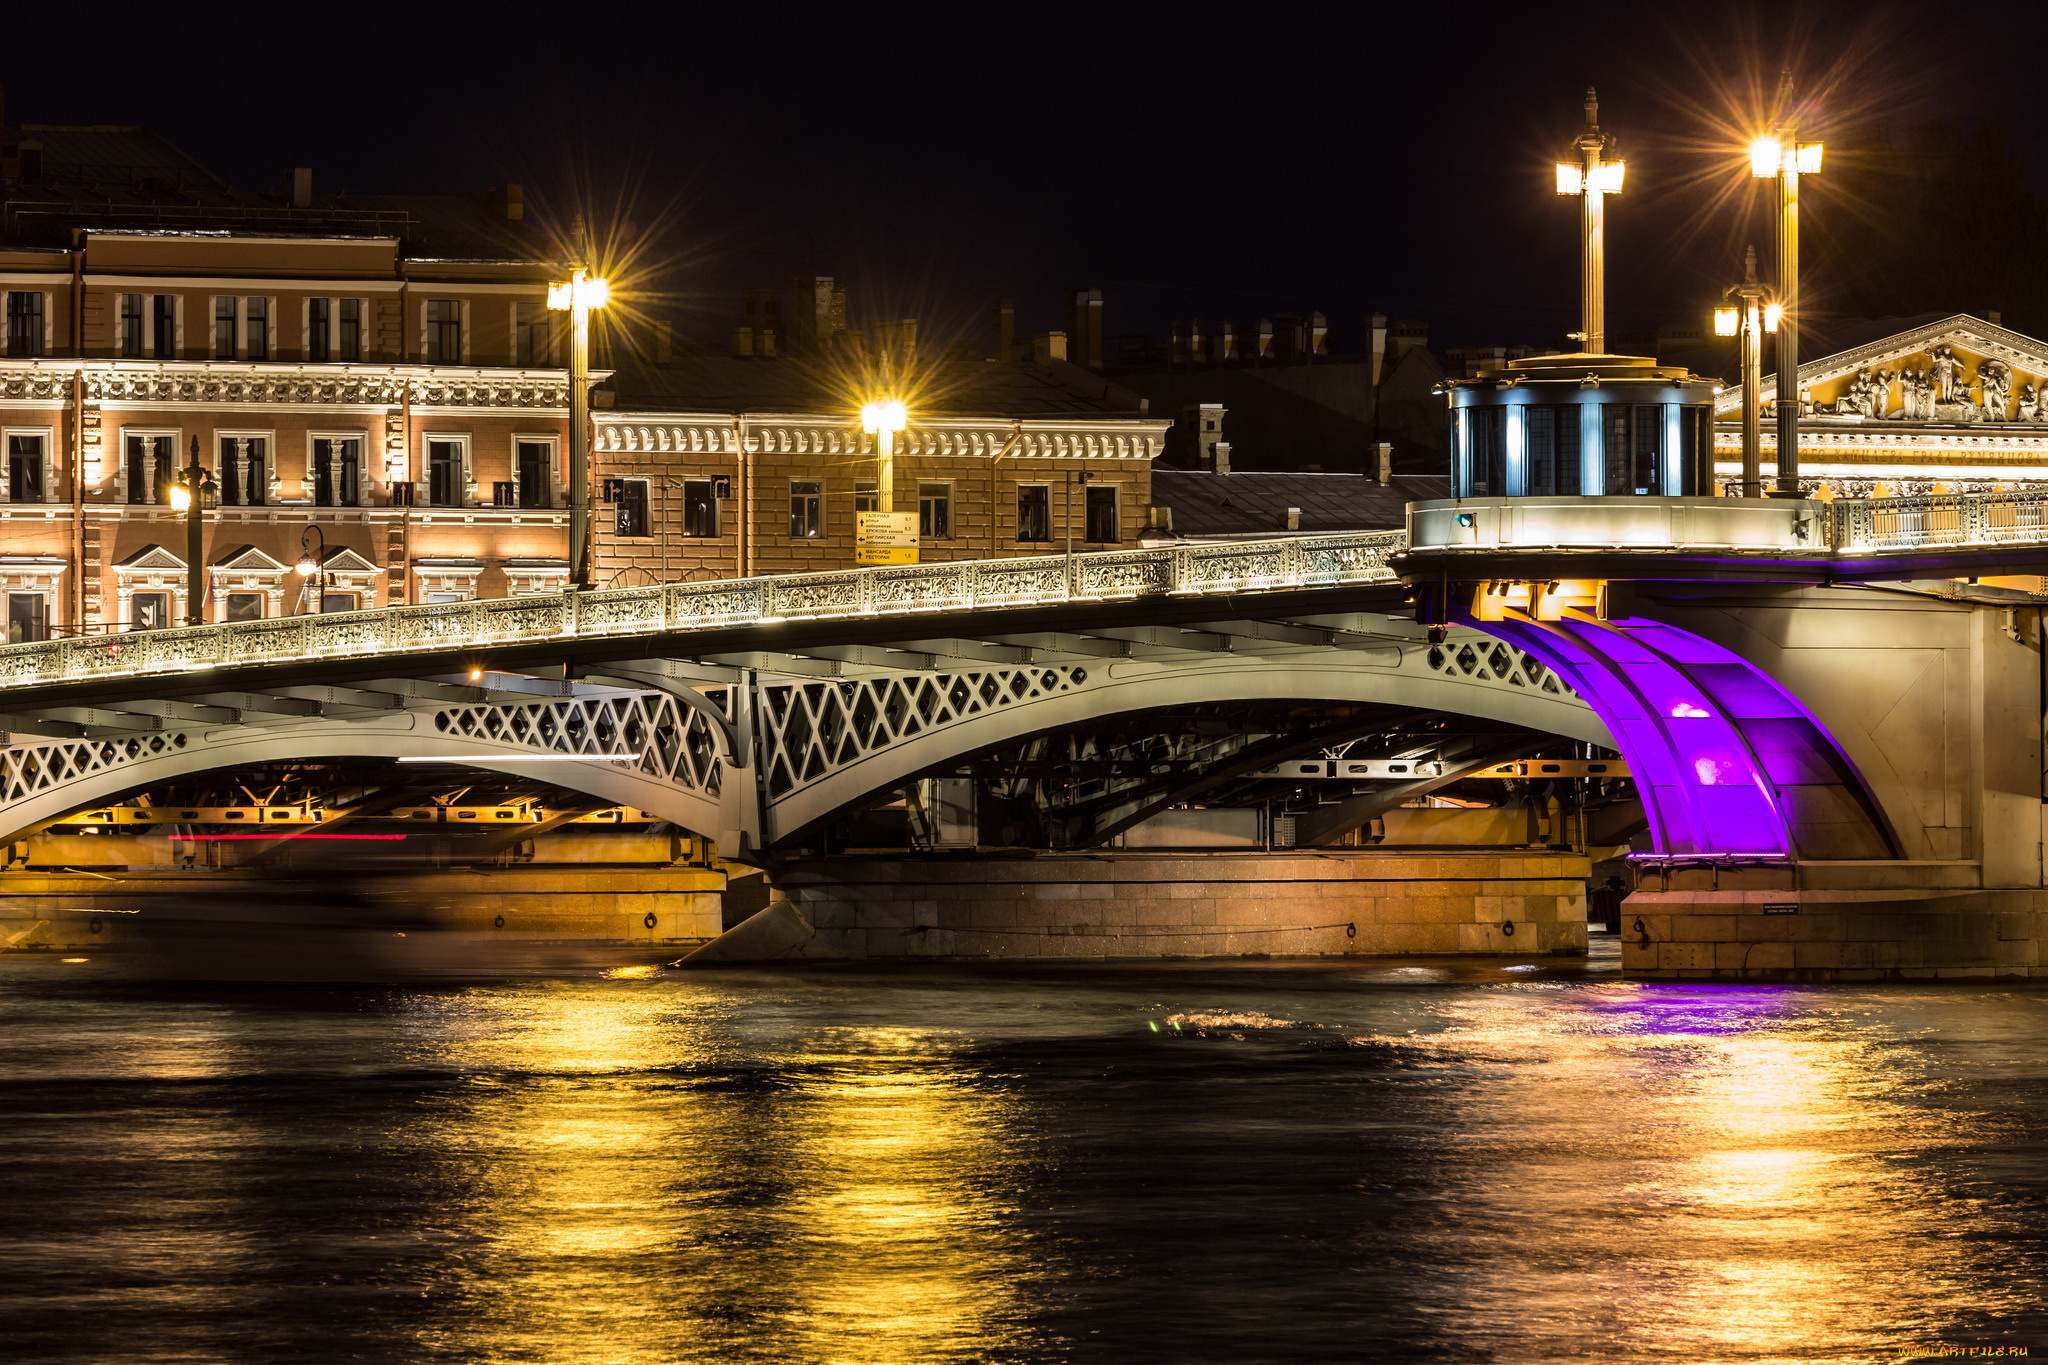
x,y
445,483
532,335
244,471
1034,512
935,511
1551,440
350,340
258,327
337,471
1635,449
131,325
337,601
224,327
25,468
318,315
444,331
700,509
27,617
866,497
1102,513
806,509
151,466
1487,433
535,465
245,606
24,323
631,519
164,326
152,611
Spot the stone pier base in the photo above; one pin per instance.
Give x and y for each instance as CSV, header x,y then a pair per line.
x,y
1146,905
1832,922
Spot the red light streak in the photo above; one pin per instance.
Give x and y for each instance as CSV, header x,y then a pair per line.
x,y
282,835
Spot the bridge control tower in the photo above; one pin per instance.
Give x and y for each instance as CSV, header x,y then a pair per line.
x,y
1582,426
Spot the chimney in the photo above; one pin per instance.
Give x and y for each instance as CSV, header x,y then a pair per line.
x,y
302,187
1262,340
1198,351
1005,328
1084,325
1318,335
1204,422
1047,347
508,201
1176,344
1290,518
896,342
1386,464
1379,347
1226,342
742,343
1995,318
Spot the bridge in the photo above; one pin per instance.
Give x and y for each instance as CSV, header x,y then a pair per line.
x,y
1815,708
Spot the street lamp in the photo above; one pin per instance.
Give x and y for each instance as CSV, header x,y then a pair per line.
x,y
576,298
1749,319
1783,155
1592,177
882,421
311,562
193,493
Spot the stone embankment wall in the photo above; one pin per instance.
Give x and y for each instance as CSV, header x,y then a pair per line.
x,y
1129,905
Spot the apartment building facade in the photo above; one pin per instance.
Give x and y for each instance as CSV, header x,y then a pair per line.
x,y
376,385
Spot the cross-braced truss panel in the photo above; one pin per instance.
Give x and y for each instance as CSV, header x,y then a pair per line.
x,y
663,737
811,730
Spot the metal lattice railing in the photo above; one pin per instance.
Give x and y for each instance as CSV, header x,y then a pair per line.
x,y
1935,520
1230,567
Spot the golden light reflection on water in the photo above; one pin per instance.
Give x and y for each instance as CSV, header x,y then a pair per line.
x,y
1748,1175
641,1203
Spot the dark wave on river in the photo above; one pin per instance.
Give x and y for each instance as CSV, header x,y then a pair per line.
x,y
1494,1161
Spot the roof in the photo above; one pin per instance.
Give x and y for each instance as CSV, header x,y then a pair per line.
x,y
1207,504
940,388
127,177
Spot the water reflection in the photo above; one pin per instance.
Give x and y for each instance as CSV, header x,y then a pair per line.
x,y
636,1198
1295,1164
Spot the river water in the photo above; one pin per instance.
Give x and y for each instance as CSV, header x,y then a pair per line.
x,y
1495,1160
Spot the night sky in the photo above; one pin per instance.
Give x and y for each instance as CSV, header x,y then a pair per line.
x,y
1191,160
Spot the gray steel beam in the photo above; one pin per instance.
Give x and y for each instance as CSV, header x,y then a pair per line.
x,y
352,697
870,656
184,711
767,661
256,703
1324,826
92,718
1273,631
1166,637
1061,643
979,651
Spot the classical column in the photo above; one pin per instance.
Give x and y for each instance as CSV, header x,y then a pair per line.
x,y
241,469
149,459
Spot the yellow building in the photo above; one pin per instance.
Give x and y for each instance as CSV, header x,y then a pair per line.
x,y
1959,402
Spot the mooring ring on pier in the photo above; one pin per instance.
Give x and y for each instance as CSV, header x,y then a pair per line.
x,y
1507,928
1351,929
498,923
650,921
95,926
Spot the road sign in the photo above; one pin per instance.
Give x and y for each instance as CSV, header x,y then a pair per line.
x,y
885,538
721,486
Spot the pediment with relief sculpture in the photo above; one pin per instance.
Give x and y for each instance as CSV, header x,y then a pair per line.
x,y
1959,372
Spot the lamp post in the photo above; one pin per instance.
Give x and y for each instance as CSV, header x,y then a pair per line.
x,y
1749,319
577,297
1784,156
311,563
1592,177
192,494
882,421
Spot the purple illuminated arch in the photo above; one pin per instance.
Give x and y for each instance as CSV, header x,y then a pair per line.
x,y
1727,761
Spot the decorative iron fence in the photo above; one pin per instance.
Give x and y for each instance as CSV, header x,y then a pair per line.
x,y
1194,570
1858,525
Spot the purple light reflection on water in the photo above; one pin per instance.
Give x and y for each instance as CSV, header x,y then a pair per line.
x,y
1704,1009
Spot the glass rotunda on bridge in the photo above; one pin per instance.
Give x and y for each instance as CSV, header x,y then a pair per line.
x,y
1582,426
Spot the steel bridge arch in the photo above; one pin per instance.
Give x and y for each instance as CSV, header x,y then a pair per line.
x,y
47,780
829,746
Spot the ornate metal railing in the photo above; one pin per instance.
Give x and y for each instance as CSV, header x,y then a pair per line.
x,y
1936,520
1233,567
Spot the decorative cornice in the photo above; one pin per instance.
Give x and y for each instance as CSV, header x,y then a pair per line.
x,y
1132,438
171,384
